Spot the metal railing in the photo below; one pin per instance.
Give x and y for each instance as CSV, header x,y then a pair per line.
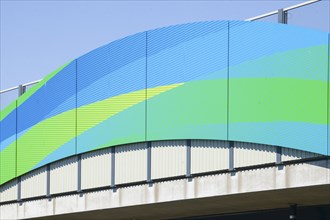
x,y
282,13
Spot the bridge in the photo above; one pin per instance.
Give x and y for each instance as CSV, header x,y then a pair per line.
x,y
190,120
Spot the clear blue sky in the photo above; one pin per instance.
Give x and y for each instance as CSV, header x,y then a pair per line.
x,y
39,36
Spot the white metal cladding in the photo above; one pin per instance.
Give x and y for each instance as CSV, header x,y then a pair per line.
x,y
63,175
96,169
34,183
292,154
131,163
168,158
8,191
209,155
247,154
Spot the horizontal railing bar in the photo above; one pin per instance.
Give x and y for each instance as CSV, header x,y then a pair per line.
x,y
16,87
8,90
284,9
31,83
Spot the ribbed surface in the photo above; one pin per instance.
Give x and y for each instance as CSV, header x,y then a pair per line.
x,y
190,62
131,163
168,158
34,183
96,168
292,154
209,155
63,175
8,147
184,53
8,191
247,154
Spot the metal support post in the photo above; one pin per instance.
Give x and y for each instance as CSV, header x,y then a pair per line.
x,y
149,162
188,156
231,156
113,170
282,16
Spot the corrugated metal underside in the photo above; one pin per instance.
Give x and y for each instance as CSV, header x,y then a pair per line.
x,y
169,159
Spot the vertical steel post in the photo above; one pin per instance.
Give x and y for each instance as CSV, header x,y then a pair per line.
x,y
19,189
231,156
48,181
188,158
79,174
282,16
113,170
278,155
149,161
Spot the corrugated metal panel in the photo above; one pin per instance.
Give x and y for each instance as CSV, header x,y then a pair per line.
x,y
8,148
63,175
107,77
194,54
247,154
292,154
131,163
34,183
96,168
168,158
209,155
8,191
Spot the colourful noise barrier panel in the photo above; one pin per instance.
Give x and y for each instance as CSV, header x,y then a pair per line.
x,y
223,80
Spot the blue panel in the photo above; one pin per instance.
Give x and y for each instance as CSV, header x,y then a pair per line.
x,y
112,70
252,40
196,55
287,134
115,69
8,129
57,102
61,91
186,52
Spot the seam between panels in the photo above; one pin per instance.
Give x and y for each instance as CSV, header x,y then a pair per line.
x,y
328,95
328,89
228,63
76,104
16,144
146,91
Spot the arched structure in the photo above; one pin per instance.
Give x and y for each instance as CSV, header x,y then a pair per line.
x,y
219,80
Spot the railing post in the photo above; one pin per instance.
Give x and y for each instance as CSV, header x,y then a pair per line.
x,y
282,16
21,90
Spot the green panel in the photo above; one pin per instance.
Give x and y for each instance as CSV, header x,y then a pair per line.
x,y
8,163
107,128
34,139
194,110
276,99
